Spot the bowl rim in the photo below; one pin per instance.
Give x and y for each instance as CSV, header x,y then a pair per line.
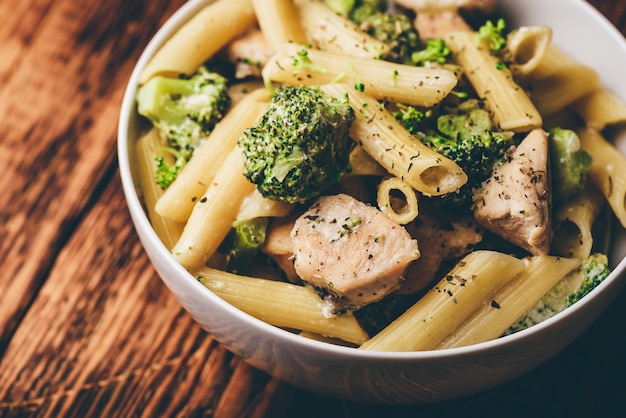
x,y
142,224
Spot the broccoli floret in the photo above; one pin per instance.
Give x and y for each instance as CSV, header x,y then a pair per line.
x,y
303,62
492,34
594,269
396,31
467,135
569,290
357,10
569,164
342,7
184,110
410,117
300,146
243,242
435,50
363,9
166,173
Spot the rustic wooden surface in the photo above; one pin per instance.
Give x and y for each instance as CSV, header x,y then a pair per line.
x,y
87,328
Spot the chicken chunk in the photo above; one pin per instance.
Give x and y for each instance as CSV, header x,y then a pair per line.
x,y
434,18
447,239
350,252
249,53
419,6
279,246
515,202
432,25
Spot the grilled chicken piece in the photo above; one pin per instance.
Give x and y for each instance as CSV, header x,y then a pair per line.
x,y
515,202
436,24
350,252
279,246
249,53
421,6
447,239
434,18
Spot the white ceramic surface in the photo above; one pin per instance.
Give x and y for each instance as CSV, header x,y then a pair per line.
x,y
393,377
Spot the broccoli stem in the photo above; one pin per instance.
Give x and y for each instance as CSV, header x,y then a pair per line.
x,y
154,99
244,240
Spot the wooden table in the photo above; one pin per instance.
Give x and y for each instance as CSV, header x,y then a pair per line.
x,y
86,326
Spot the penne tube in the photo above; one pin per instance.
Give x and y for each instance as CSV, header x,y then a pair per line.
x,y
388,142
527,48
326,30
200,38
509,104
600,108
607,170
573,222
299,307
179,198
468,286
214,213
512,301
361,163
552,60
329,340
297,64
563,87
408,209
279,22
255,205
147,150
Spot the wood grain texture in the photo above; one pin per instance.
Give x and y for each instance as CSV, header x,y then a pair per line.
x,y
62,83
87,328
106,336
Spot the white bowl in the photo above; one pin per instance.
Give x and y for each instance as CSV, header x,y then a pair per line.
x,y
413,377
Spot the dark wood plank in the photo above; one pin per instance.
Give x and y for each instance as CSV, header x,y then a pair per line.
x,y
63,70
105,336
615,11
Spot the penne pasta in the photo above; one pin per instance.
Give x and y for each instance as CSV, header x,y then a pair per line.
x,y
573,221
147,150
297,64
607,170
512,301
563,87
362,164
279,22
255,205
508,103
281,304
326,30
389,143
527,48
552,60
329,340
600,108
219,22
214,213
179,198
468,286
387,203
